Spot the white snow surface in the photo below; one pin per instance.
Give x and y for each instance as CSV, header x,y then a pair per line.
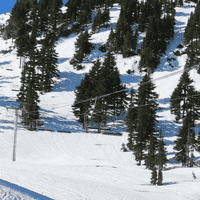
x,y
79,165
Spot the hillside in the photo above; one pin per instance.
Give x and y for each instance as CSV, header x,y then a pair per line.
x,y
78,165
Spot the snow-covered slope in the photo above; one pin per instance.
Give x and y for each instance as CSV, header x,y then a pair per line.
x,y
76,165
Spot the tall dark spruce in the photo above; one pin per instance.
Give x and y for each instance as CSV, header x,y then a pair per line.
x,y
28,96
146,118
48,26
83,47
185,107
131,120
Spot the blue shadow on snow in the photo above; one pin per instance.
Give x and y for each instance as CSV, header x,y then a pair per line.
x,y
130,78
4,63
71,80
182,14
23,190
5,101
61,124
62,60
169,129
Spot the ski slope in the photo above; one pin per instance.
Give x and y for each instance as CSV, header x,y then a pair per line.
x,y
87,166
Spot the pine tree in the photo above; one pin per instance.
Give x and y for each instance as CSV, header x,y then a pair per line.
x,y
110,44
161,158
28,96
131,120
154,176
48,64
183,141
181,106
111,80
198,143
83,47
49,18
150,56
130,43
101,80
160,177
150,158
122,28
142,18
97,21
186,109
146,116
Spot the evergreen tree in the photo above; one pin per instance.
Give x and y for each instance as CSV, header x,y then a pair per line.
x,y
142,18
28,96
181,106
130,43
160,177
110,44
184,140
49,19
150,56
122,28
131,120
154,176
198,143
111,80
48,64
101,80
186,109
146,116
150,158
161,158
97,21
19,25
83,47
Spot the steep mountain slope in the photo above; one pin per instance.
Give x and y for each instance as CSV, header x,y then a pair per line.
x,y
77,165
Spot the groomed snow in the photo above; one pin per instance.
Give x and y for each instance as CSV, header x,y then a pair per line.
x,y
79,165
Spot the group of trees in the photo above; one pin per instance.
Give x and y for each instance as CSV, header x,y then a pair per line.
x,y
34,26
191,37
160,30
83,47
141,125
102,79
192,29
79,13
101,20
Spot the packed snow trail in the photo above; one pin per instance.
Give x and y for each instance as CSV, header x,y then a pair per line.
x,y
9,191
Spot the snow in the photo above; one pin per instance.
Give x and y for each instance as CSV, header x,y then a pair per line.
x,y
79,165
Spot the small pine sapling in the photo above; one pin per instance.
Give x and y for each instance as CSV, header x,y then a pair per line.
x,y
194,176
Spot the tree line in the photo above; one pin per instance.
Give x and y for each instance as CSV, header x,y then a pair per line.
x,y
35,27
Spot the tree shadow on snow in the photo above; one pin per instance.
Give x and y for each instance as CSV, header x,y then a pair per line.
x,y
169,129
182,14
94,54
61,124
23,190
125,79
6,102
62,60
4,63
67,81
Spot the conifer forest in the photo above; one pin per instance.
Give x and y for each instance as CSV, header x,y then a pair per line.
x,y
108,85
